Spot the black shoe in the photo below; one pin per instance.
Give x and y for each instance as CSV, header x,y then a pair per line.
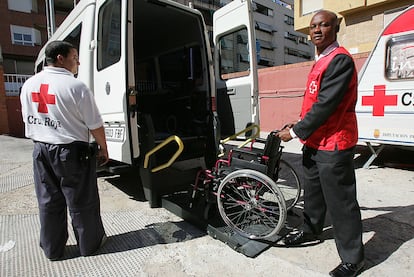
x,y
54,259
347,270
297,237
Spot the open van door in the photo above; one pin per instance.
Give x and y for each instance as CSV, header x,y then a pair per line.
x,y
111,78
235,61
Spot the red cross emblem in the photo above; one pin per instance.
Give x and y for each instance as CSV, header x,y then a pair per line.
x,y
379,100
43,98
313,87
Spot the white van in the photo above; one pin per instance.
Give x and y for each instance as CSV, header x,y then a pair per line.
x,y
385,107
149,65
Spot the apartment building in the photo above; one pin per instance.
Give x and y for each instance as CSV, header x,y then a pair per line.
x,y
24,25
278,42
24,31
361,20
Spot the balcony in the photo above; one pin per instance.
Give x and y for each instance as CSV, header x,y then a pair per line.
x,y
13,83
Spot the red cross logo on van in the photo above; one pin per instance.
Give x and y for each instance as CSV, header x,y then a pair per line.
x,y
379,100
43,98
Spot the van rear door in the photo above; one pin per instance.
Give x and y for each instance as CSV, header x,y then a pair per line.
x,y
235,66
111,79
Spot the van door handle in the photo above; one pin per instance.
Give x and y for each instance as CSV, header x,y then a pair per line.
x,y
231,91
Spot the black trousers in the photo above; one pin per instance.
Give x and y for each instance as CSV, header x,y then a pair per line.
x,y
330,186
65,178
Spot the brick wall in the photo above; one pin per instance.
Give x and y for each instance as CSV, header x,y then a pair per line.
x,y
16,125
11,122
281,91
4,124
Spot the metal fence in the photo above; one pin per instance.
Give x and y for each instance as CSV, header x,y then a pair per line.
x,y
13,83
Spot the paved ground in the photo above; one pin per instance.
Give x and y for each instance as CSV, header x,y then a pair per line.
x,y
154,242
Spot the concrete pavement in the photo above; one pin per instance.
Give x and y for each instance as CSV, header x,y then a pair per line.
x,y
154,242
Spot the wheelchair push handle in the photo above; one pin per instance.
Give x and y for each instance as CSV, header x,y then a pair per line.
x,y
264,140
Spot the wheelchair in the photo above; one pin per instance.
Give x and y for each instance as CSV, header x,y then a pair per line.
x,y
252,187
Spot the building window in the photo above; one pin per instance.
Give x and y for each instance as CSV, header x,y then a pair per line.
x,y
266,44
26,6
297,53
262,9
283,4
22,39
24,36
303,40
265,62
289,20
264,27
309,6
291,37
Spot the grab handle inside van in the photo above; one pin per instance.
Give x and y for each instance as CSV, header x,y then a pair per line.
x,y
251,127
161,145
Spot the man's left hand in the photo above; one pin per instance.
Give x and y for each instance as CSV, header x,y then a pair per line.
x,y
285,134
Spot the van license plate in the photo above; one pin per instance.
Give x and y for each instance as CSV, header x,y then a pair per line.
x,y
115,133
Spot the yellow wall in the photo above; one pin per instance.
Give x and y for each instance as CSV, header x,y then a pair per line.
x,y
361,20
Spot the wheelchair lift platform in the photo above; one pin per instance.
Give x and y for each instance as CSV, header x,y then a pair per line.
x,y
178,204
247,180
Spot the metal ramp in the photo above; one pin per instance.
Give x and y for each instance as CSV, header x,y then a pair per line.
x,y
178,204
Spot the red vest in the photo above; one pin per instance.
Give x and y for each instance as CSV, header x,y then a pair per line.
x,y
340,131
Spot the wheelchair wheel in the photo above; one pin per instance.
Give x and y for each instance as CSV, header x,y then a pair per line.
x,y
251,204
289,184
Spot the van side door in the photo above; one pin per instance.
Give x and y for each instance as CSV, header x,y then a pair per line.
x,y
111,79
235,61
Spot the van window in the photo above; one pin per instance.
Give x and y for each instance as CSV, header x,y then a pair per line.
x,y
39,67
74,37
234,54
400,58
109,34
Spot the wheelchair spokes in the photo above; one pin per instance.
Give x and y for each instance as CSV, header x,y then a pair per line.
x,y
256,210
252,188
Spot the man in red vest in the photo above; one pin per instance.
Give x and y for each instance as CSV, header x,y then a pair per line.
x,y
328,130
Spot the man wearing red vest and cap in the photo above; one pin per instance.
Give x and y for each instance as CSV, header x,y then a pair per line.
x,y
328,130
